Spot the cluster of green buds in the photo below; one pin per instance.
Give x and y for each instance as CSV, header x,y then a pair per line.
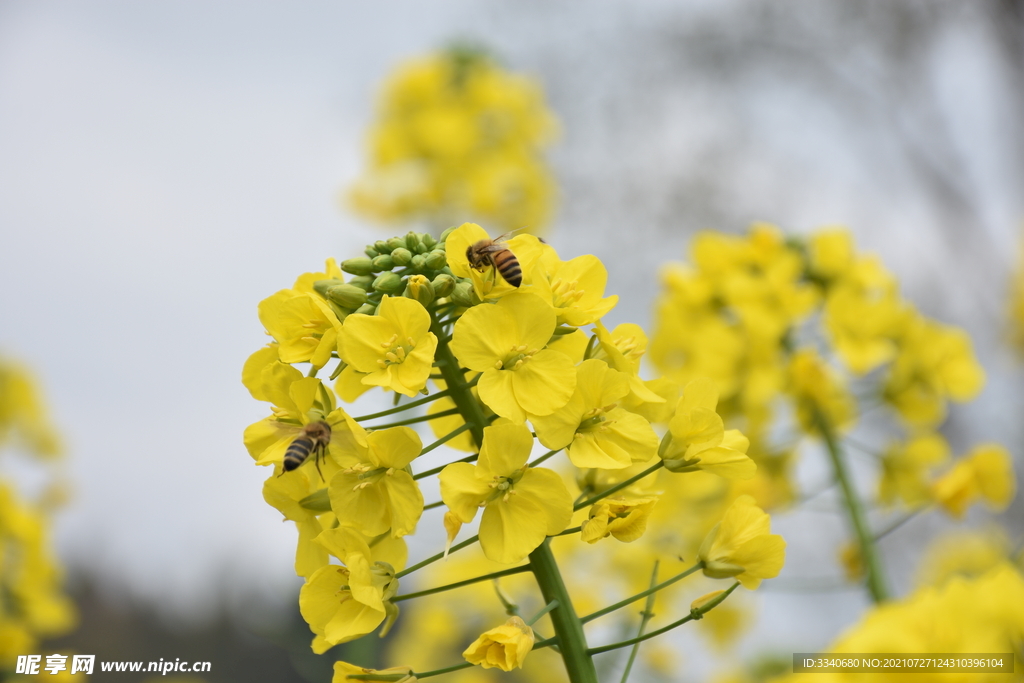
x,y
415,266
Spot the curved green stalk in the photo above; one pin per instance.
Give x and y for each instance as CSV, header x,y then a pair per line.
x,y
855,508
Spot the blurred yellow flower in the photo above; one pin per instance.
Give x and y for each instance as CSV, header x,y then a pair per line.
x,y
454,135
984,473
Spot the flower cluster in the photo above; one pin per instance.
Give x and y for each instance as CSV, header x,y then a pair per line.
x,y
496,370
801,336
964,615
32,602
455,135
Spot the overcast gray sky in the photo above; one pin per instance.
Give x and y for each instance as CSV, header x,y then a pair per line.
x,y
166,165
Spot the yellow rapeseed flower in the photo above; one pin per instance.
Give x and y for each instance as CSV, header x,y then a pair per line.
x,y
741,546
344,603
375,493
592,427
906,466
522,505
984,473
504,647
623,518
505,341
303,324
395,347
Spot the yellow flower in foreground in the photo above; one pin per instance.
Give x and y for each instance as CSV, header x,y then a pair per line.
x,y
344,603
506,342
284,493
741,546
622,349
375,493
504,647
303,324
592,427
395,347
986,472
575,289
343,671
522,506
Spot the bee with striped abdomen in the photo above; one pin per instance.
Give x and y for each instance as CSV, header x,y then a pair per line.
x,y
314,439
490,252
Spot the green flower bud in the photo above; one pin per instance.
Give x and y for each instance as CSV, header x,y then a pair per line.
x,y
364,282
428,240
371,252
443,285
388,283
412,240
401,256
347,296
682,465
418,262
421,248
381,247
383,262
321,286
367,309
396,243
464,295
436,260
444,235
419,288
357,266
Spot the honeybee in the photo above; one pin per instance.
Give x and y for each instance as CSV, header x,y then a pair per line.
x,y
490,252
315,438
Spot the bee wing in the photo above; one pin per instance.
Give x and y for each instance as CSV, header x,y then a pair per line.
x,y
502,238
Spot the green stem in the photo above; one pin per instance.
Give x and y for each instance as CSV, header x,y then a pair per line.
x,y
645,618
458,388
392,411
643,594
414,420
543,458
471,458
621,485
434,558
547,608
435,504
692,616
438,672
568,628
460,584
855,508
446,438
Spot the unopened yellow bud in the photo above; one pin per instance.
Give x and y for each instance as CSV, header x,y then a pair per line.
x,y
504,647
419,288
697,607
